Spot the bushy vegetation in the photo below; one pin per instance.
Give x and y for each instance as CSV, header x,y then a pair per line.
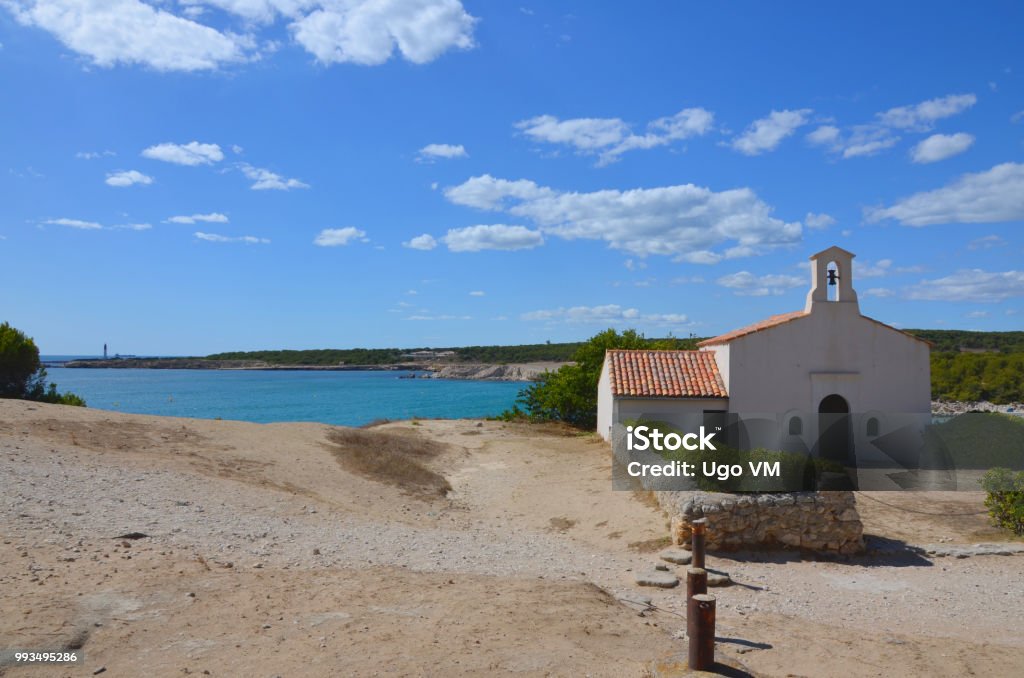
x,y
570,393
952,341
977,440
996,377
324,356
21,374
523,353
1005,499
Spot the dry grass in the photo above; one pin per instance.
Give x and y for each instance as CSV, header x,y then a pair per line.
x,y
393,458
651,545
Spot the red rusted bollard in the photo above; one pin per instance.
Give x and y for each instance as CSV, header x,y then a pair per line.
x,y
697,542
696,583
700,629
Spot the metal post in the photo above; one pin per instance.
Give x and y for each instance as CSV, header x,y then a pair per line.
x,y
697,542
696,582
700,629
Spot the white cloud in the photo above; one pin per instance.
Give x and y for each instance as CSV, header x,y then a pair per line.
x,y
819,221
941,146
971,285
747,284
879,292
128,178
921,117
133,227
825,135
266,180
995,195
433,151
859,146
421,242
977,314
193,153
247,239
488,193
476,293
110,32
611,137
865,269
92,155
684,221
608,314
74,223
1017,117
986,242
880,135
767,133
492,237
260,11
861,140
212,218
883,267
337,237
424,316
368,32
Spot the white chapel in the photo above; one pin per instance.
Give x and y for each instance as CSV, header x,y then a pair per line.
x,y
789,376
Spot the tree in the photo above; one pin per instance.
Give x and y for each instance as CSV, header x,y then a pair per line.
x,y
19,364
21,374
570,393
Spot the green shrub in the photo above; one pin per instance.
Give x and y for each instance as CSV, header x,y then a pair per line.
x,y
22,375
1005,500
570,393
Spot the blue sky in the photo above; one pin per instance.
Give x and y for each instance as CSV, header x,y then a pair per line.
x,y
184,177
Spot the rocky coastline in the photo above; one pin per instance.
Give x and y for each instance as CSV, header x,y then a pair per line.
x,y
419,370
952,408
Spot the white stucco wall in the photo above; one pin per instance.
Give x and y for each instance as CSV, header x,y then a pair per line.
x,y
722,360
604,403
683,413
793,366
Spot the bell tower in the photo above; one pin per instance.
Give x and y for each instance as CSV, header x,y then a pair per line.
x,y
832,279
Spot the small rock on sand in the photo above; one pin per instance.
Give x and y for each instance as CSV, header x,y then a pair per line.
x,y
677,556
718,579
664,580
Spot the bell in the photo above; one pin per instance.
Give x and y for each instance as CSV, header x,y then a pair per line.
x,y
833,277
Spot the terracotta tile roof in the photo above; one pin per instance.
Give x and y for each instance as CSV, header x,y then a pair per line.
x,y
771,321
665,374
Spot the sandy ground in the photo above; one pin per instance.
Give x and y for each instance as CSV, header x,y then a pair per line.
x,y
263,557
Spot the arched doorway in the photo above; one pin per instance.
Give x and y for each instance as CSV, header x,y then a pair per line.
x,y
834,428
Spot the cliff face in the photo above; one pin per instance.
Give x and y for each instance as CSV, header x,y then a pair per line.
x,y
511,372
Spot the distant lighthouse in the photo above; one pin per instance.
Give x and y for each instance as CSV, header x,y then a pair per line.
x,y
104,351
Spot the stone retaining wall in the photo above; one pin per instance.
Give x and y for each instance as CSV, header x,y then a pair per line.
x,y
815,521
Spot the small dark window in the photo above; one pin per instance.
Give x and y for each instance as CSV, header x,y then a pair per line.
x,y
872,427
796,426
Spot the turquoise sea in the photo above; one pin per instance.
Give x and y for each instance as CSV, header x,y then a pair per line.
x,y
343,398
